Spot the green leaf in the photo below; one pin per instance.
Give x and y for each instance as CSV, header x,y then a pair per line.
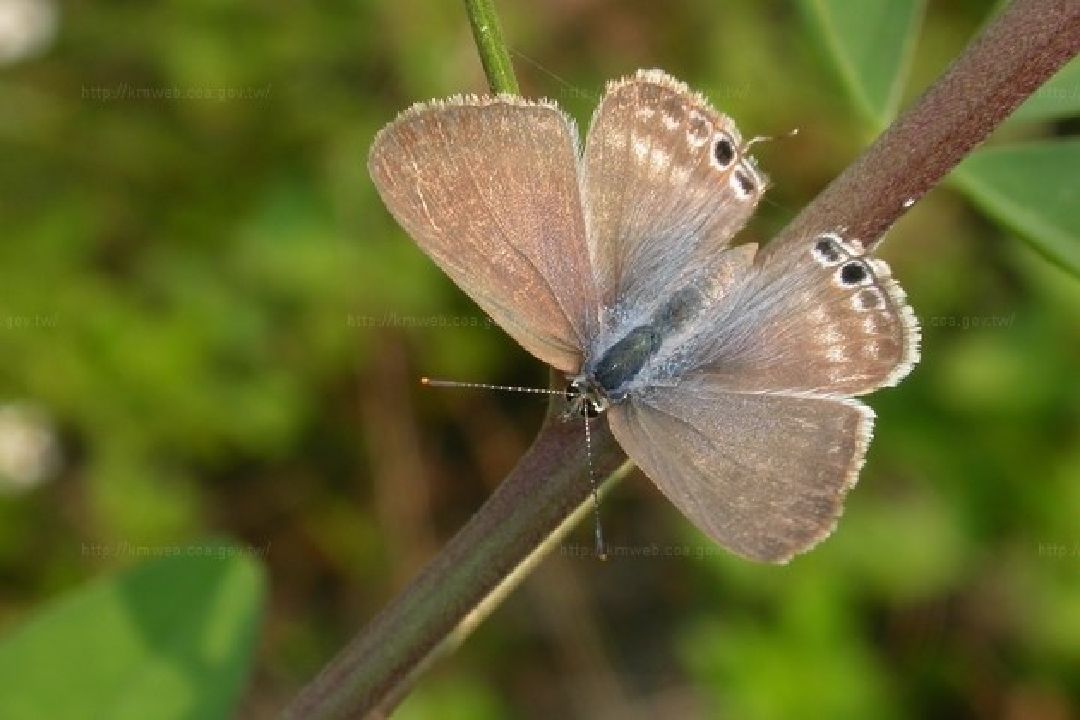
x,y
1058,98
171,638
1032,189
872,46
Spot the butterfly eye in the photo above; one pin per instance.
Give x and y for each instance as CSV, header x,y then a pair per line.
x,y
592,408
574,390
723,152
585,400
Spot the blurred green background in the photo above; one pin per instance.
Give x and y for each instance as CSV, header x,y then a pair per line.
x,y
210,327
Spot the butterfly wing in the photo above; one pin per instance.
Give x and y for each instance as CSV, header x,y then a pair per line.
x,y
817,316
744,417
762,474
754,436
753,433
488,187
661,207
666,187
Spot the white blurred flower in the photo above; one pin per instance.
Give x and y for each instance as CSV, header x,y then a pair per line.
x,y
27,28
29,450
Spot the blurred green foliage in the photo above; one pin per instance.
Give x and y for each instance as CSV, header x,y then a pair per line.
x,y
872,49
1032,188
225,327
171,638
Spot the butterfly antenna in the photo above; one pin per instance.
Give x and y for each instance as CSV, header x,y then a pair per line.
x,y
601,553
484,386
767,138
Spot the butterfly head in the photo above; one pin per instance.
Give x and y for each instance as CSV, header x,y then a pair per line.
x,y
586,397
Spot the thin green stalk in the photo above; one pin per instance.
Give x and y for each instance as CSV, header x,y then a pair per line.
x,y
494,54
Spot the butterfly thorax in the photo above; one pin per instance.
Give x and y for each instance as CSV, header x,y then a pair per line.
x,y
620,363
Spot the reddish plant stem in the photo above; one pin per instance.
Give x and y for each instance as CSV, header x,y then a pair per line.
x,y
547,485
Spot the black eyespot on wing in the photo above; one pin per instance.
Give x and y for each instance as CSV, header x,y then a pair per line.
x,y
853,273
745,183
723,151
826,249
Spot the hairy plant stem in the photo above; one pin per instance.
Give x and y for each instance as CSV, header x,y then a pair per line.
x,y
547,490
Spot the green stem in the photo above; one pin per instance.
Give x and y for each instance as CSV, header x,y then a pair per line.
x,y
494,54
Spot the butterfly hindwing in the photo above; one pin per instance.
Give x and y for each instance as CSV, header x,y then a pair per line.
x,y
762,474
819,317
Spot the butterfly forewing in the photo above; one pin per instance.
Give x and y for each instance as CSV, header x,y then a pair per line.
x,y
488,187
666,187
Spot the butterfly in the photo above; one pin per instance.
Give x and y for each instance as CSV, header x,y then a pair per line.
x,y
727,372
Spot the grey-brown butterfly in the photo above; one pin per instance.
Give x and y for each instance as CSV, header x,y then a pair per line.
x,y
728,374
